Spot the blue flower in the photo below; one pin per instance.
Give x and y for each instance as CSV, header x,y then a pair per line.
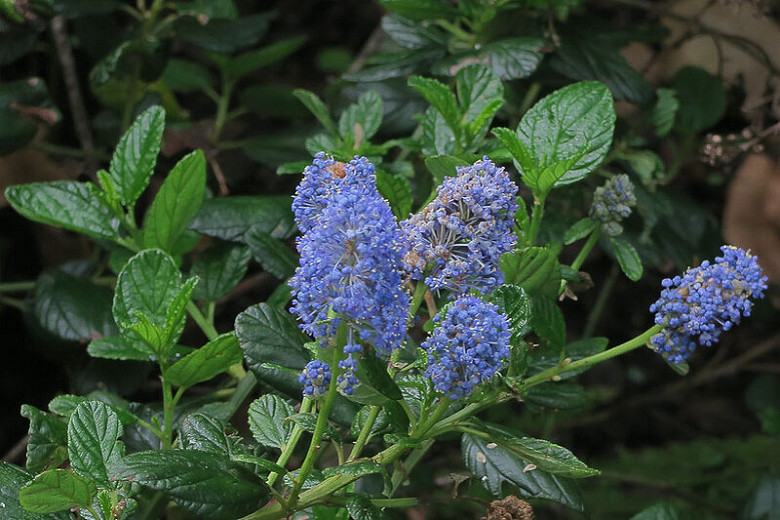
x,y
321,179
458,238
705,301
315,379
467,346
612,202
350,268
347,380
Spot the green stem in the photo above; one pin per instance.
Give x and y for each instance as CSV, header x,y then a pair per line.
x,y
463,413
381,502
167,429
536,221
530,97
402,471
207,328
364,433
551,373
586,249
426,425
245,386
417,298
222,108
17,286
292,442
601,302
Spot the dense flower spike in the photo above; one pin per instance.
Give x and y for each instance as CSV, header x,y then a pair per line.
x,y
315,378
612,202
705,301
462,233
347,380
350,267
467,346
321,179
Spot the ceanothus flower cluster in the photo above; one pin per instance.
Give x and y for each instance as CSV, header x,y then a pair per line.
x,y
612,202
315,378
705,301
457,239
350,260
467,346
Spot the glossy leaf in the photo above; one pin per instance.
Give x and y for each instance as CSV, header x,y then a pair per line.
x,y
222,35
361,120
93,441
514,301
558,396
57,490
177,202
397,191
535,269
627,257
441,98
187,76
116,347
420,9
248,62
219,270
547,321
318,109
513,58
269,335
135,156
48,441
376,386
229,218
360,507
268,421
664,111
275,257
308,421
702,98
213,358
12,479
68,204
202,432
579,230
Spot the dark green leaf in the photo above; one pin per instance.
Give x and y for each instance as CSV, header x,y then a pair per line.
x,y
360,507
133,161
398,192
318,109
535,269
187,76
275,257
701,96
177,202
308,421
545,455
202,432
56,490
412,35
421,9
65,405
664,511
361,120
47,444
69,204
547,321
12,478
268,421
242,65
219,270
273,101
517,148
664,111
543,359
376,386
442,166
93,441
514,58
222,35
559,396
269,335
514,301
18,130
229,218
498,466
575,124
441,98
211,359
114,347
206,484
72,308
592,60
627,257
397,65
209,8
437,137
478,88
579,230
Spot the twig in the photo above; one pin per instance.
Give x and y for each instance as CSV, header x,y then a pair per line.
x,y
369,48
77,108
223,189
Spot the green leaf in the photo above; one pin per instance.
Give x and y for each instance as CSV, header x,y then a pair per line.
x,y
442,166
222,35
219,270
355,469
575,124
229,218
763,504
248,62
547,321
376,386
702,99
135,156
627,257
542,359
65,405
211,359
202,432
517,148
269,335
318,109
93,441
48,441
558,396
535,269
17,129
361,120
664,111
148,284
12,478
206,484
665,511
56,490
496,466
68,204
187,76
177,202
268,421
398,192
478,88
72,308
360,507
514,301
420,9
123,348
579,230
275,257
308,421
545,455
412,35
513,58
441,98
437,136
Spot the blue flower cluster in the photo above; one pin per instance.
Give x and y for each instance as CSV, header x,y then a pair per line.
x,y
467,346
612,202
350,259
458,238
315,379
705,301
